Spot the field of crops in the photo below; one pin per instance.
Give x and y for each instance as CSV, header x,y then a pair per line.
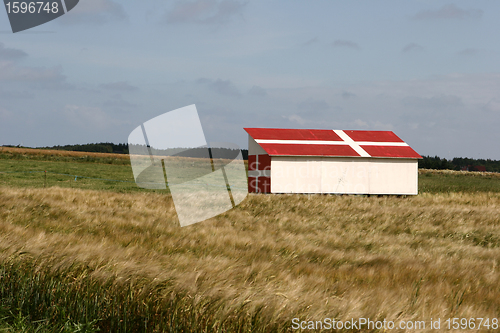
x,y
99,253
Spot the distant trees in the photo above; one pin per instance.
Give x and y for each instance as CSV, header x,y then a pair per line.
x,y
491,165
103,147
435,162
122,148
457,163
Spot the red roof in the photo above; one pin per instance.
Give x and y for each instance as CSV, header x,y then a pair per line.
x,y
313,142
292,134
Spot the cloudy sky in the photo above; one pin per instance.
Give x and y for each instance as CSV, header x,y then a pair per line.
x,y
428,70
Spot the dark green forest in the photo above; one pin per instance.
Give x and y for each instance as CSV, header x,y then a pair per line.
x,y
103,147
458,163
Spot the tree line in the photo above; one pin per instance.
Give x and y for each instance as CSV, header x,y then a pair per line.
x,y
457,163
102,147
427,162
122,148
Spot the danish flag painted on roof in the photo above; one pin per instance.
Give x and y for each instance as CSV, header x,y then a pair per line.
x,y
313,142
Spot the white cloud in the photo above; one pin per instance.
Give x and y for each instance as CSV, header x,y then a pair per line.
x,y
297,119
313,106
469,52
95,12
438,101
449,11
347,95
87,117
13,94
119,86
223,87
412,47
492,106
382,126
257,91
342,43
4,114
11,54
204,11
41,77
119,104
368,125
311,41
361,123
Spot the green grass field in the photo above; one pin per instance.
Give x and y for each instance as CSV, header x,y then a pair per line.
x,y
101,174
93,254
444,181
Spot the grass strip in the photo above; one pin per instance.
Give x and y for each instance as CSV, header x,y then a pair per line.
x,y
71,300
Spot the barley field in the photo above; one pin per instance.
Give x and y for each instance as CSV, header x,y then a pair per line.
x,y
50,154
115,260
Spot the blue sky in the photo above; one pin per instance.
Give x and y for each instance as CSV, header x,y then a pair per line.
x,y
427,70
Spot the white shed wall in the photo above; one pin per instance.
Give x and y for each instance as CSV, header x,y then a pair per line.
x,y
344,175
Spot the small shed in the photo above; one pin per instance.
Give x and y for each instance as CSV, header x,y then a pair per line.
x,y
330,161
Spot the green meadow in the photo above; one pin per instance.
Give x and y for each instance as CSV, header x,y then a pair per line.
x,y
116,175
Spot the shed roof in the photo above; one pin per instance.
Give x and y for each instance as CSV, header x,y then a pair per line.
x,y
338,143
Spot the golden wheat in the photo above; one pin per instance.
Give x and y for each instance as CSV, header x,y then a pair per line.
x,y
307,256
55,153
